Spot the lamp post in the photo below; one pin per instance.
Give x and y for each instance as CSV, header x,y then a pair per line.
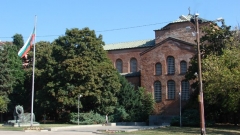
x,y
201,104
78,106
180,100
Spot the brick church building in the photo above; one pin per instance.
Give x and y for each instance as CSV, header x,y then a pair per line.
x,y
159,65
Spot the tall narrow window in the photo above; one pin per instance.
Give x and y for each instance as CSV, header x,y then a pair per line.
x,y
183,67
185,90
133,65
158,69
171,89
171,65
157,91
119,65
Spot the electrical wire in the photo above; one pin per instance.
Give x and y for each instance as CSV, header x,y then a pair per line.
x,y
117,29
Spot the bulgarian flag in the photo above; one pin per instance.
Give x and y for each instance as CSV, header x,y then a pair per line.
x,y
28,45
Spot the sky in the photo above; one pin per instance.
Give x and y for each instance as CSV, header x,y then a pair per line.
x,y
116,20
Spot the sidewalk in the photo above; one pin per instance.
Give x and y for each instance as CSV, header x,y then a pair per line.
x,y
81,129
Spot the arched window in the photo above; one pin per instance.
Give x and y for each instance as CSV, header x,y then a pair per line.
x,y
185,90
133,65
158,69
183,67
157,91
171,89
171,65
119,65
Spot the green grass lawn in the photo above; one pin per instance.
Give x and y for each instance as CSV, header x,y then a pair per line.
x,y
218,130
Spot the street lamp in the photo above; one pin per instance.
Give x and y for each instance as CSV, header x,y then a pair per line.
x,y
78,106
180,109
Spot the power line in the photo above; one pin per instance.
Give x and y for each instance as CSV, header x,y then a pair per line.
x,y
117,29
132,27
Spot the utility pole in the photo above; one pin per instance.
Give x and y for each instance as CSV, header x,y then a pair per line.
x,y
201,104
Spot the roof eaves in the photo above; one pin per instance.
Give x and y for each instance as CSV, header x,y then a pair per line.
x,y
165,40
129,45
184,18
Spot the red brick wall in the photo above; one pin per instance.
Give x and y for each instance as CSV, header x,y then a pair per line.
x,y
125,55
147,60
179,31
179,51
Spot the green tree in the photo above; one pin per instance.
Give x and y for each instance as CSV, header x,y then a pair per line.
x,y
222,89
18,40
148,104
138,104
218,47
214,40
75,64
3,104
11,73
45,72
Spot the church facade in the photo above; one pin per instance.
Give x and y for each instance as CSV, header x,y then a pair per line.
x,y
159,65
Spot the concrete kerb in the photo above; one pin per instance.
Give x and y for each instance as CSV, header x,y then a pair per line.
x,y
101,131
44,130
69,127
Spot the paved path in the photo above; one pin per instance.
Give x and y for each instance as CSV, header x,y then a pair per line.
x,y
80,130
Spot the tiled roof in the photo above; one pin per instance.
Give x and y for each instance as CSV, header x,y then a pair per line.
x,y
185,18
2,43
5,42
188,17
132,44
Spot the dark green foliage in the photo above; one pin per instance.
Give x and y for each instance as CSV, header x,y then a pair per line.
x,y
18,94
6,78
148,104
4,100
190,118
222,83
74,64
11,74
193,100
87,118
213,42
220,68
215,39
44,75
119,115
18,41
138,104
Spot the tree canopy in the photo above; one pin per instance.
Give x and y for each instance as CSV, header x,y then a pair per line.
x,y
11,76
220,69
75,64
18,40
135,105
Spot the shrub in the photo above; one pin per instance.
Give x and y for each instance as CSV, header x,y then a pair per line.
x,y
87,118
119,115
190,118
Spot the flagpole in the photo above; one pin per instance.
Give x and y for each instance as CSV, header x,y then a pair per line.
x,y
33,71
